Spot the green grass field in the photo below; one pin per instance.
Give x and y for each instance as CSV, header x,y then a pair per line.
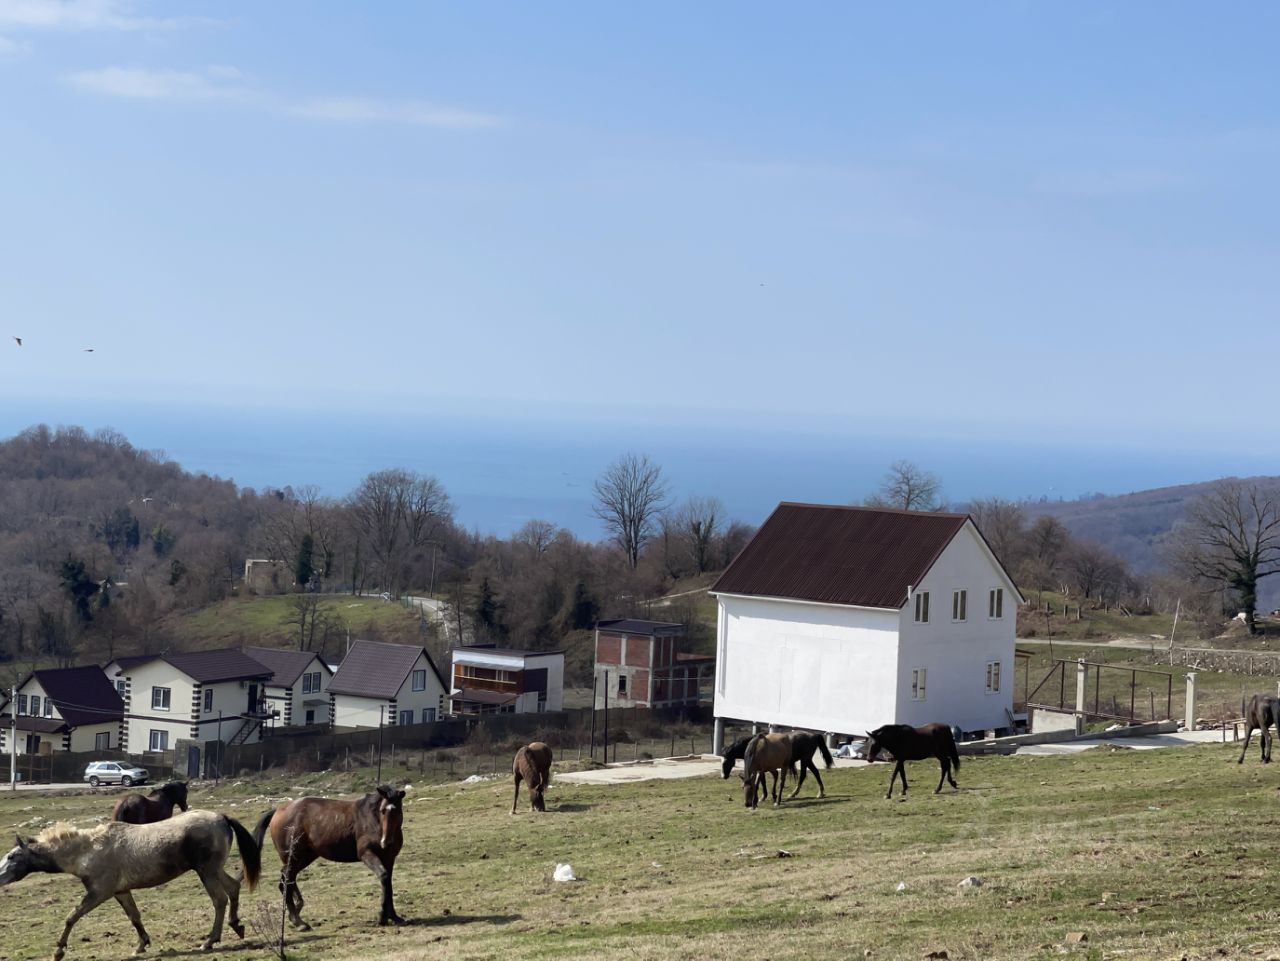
x,y
261,621
1154,854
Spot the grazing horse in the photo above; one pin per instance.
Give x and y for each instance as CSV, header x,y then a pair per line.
x,y
736,752
1262,712
368,829
532,764
114,859
804,745
766,753
156,806
907,743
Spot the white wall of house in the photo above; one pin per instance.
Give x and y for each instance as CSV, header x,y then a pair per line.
x,y
955,653
85,737
232,699
352,711
141,718
299,696
825,667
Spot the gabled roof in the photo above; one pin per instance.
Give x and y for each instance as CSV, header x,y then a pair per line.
x,y
82,695
130,660
375,669
629,625
854,556
285,666
226,664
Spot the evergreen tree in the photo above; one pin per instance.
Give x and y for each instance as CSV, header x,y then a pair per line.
x,y
302,567
79,587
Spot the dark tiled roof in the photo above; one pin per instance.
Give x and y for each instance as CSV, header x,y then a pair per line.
x,y
227,664
39,725
627,625
502,651
375,669
858,556
483,697
285,666
124,663
82,695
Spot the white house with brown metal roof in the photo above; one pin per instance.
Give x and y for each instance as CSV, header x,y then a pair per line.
x,y
391,684
841,619
297,693
67,709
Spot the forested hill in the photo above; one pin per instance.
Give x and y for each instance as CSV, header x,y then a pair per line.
x,y
1131,525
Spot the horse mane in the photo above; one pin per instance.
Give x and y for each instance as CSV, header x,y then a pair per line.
x,y
62,831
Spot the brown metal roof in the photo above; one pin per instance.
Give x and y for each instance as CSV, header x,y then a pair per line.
x,y
285,666
225,664
482,697
375,669
857,556
82,695
629,625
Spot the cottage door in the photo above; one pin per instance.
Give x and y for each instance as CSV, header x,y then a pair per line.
x,y
253,699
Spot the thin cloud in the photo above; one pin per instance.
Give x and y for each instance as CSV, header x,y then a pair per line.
x,y
137,83
415,112
1108,183
84,15
11,48
222,83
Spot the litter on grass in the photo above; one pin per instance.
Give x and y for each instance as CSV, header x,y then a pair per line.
x,y
564,872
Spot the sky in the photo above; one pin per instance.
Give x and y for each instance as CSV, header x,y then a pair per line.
x,y
1017,227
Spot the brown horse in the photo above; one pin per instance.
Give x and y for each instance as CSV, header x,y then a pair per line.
x,y
156,806
767,753
113,860
368,829
1262,712
533,764
907,743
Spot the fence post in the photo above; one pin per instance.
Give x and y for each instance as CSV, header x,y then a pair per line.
x,y
1082,681
1189,723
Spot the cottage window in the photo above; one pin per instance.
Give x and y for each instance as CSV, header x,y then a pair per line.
x,y
622,685
995,603
35,705
428,715
102,741
208,700
406,717
419,680
160,699
121,686
22,704
48,707
922,607
917,684
993,677
311,683
159,739
959,603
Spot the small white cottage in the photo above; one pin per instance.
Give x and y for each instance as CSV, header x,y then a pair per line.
x,y
840,619
391,684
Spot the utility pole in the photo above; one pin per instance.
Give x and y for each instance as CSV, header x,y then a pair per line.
x,y
381,709
13,739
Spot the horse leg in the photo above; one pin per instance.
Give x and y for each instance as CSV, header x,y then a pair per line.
x,y
822,788
213,885
946,773
804,765
1248,733
90,901
383,874
902,770
1266,745
131,909
232,887
516,797
293,900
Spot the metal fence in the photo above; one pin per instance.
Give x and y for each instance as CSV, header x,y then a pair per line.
x,y
1111,692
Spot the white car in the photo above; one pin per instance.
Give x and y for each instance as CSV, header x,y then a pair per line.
x,y
114,772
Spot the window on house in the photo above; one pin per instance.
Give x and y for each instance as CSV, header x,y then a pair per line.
x,y
922,607
102,741
428,715
48,707
208,700
917,684
419,680
159,739
160,699
406,717
622,684
22,704
35,705
959,603
995,603
993,677
311,683
121,687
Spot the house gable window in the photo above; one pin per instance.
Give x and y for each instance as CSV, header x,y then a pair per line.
x,y
121,686
160,699
995,603
311,683
918,684
48,707
993,677
35,705
959,605
208,700
22,704
419,680
922,607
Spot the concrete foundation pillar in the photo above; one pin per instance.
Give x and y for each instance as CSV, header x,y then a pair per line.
x,y
774,729
755,728
717,737
1082,686
831,739
1190,722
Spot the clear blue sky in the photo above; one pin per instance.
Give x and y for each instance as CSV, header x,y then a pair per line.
x,y
948,220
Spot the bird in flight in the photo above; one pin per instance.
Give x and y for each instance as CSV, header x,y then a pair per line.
x,y
19,340
87,350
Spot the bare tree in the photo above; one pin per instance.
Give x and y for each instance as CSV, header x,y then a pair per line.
x,y
536,535
1094,569
1231,540
629,496
908,487
698,521
394,511
1001,522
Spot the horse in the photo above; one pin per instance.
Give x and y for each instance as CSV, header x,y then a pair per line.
x,y
114,859
735,752
156,806
533,764
1262,712
368,829
804,745
766,753
907,743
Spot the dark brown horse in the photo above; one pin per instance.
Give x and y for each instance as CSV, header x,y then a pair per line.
x,y
1262,712
156,806
804,744
533,765
766,753
907,743
736,752
368,829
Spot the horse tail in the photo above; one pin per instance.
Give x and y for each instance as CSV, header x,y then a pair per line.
x,y
260,829
826,754
955,751
250,850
